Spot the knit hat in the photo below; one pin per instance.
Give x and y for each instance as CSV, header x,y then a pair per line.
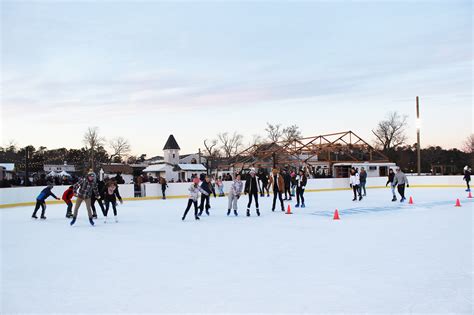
x,y
196,180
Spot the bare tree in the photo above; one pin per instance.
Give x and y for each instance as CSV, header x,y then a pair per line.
x,y
120,148
256,140
468,144
92,142
211,147
390,133
291,133
230,144
274,132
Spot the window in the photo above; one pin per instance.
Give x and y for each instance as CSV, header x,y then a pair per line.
x,y
372,168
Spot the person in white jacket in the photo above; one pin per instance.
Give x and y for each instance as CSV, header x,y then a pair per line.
x,y
194,190
354,183
234,194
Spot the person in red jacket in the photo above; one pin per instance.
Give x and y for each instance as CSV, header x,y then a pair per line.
x,y
67,196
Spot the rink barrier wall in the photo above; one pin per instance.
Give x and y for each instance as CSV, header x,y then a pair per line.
x,y
26,196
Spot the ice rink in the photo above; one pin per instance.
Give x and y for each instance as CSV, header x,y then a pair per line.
x,y
382,256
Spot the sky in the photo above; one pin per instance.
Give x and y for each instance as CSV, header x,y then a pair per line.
x,y
145,69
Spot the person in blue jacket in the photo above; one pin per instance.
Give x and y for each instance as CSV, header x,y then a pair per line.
x,y
41,201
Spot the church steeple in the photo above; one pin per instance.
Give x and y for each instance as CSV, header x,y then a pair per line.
x,y
171,151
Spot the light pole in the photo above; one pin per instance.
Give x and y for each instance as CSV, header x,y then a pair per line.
x,y
418,127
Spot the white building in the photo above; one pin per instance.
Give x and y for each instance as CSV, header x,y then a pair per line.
x,y
57,168
172,166
7,170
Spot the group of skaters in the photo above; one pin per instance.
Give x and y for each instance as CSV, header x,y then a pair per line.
x,y
90,191
278,182
87,190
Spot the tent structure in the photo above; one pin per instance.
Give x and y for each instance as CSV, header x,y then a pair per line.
x,y
64,173
52,174
301,152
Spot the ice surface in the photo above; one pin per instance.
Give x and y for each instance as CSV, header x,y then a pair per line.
x,y
380,257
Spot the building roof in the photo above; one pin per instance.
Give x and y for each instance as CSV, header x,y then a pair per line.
x,y
9,167
192,167
171,144
156,168
117,168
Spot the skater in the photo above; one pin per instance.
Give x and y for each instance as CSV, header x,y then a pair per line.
x,y
111,194
100,188
41,201
301,181
67,196
207,187
264,179
287,181
400,180
467,177
252,187
164,185
234,194
363,180
354,183
194,190
391,177
293,183
277,185
83,191
220,186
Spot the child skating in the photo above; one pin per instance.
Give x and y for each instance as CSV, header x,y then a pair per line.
x,y
234,194
354,183
205,199
194,191
41,201
111,195
67,197
301,182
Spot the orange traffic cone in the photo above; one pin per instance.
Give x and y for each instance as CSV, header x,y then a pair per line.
x,y
458,203
288,210
336,215
470,195
411,201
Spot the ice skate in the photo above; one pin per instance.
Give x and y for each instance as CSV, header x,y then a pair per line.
x,y
258,212
228,212
394,198
197,218
354,199
248,212
34,216
207,212
303,205
91,221
235,213
297,205
43,217
73,221
360,198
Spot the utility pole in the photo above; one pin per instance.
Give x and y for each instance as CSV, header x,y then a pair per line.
x,y
418,127
26,167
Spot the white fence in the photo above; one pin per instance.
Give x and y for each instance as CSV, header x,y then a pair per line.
x,y
18,196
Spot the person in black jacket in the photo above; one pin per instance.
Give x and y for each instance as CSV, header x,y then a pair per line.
x,y
301,181
111,194
252,187
264,179
390,180
467,177
207,187
100,188
287,179
164,185
41,201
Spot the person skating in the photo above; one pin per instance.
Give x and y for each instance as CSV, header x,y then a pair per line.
x,y
287,181
252,187
234,194
264,179
220,186
164,185
41,201
354,183
293,183
83,191
467,177
301,182
94,199
277,185
363,181
111,194
391,177
67,197
194,190
205,199
400,180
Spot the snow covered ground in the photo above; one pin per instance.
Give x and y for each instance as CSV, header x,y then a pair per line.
x,y
380,257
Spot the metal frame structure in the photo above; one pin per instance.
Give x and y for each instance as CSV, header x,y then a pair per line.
x,y
333,148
